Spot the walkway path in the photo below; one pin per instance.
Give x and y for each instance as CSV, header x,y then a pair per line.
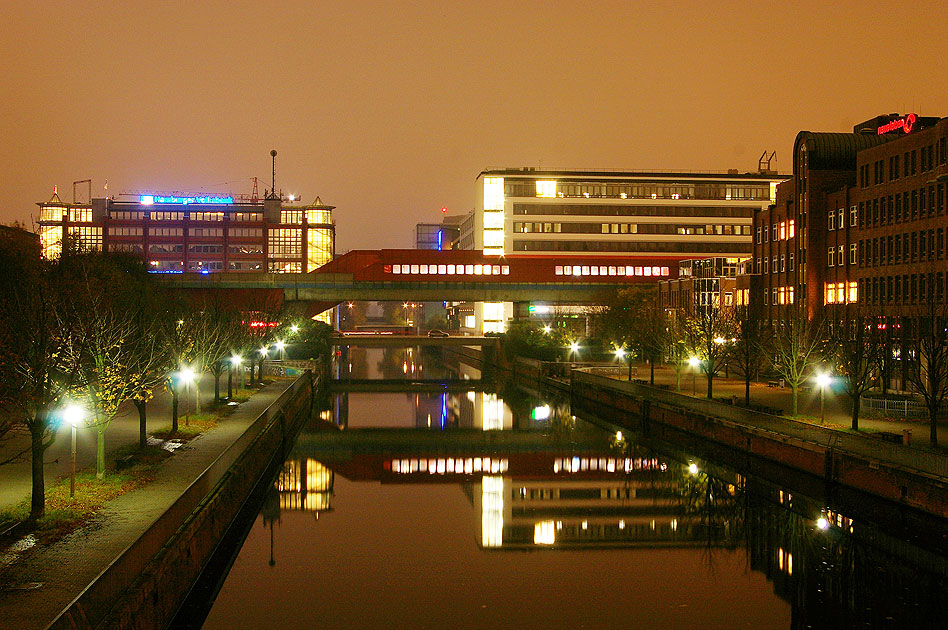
x,y
837,406
62,570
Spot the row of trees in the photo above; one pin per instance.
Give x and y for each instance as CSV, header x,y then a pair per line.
x,y
95,329
856,345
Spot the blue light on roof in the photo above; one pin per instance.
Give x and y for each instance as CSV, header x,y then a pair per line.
x,y
439,240
147,200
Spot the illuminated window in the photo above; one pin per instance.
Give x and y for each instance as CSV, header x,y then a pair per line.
x,y
494,220
291,216
51,240
51,213
81,215
853,292
493,238
87,238
318,216
493,193
546,188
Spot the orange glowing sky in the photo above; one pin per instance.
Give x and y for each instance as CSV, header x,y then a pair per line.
x,y
389,110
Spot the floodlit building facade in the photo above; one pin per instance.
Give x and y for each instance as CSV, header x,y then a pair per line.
x,y
616,214
196,233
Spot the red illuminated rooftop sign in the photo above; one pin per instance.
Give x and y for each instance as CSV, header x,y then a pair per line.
x,y
906,123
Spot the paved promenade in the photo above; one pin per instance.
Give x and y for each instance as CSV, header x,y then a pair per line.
x,y
36,586
837,405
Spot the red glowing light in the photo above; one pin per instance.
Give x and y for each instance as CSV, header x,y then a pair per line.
x,y
906,123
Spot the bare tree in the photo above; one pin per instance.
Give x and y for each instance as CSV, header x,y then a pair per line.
x,y
674,343
708,330
926,362
36,374
855,349
794,346
745,349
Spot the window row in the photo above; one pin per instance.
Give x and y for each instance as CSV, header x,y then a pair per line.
x,y
781,231
629,228
632,246
836,255
923,288
564,209
902,248
904,165
608,270
778,296
125,231
836,219
450,270
840,293
775,263
644,190
912,205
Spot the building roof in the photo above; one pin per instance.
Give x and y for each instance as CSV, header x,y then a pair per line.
x,y
580,174
834,151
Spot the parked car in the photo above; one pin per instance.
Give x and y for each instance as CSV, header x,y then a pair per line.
x,y
437,333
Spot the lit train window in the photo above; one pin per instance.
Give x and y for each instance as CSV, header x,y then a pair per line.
x,y
478,270
396,268
505,270
495,270
424,269
559,270
442,269
432,269
451,270
414,268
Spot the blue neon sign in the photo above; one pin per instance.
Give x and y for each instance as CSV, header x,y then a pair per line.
x,y
147,200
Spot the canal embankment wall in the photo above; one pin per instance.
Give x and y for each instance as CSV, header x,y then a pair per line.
x,y
911,476
145,585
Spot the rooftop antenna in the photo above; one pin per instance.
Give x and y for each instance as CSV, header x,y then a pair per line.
x,y
273,193
763,164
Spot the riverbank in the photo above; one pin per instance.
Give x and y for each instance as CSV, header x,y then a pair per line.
x,y
41,582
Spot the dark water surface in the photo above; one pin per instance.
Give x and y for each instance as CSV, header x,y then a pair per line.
x,y
473,509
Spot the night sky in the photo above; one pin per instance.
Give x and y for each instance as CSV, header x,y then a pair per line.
x,y
389,110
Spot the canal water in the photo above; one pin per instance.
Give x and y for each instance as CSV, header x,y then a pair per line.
x,y
450,504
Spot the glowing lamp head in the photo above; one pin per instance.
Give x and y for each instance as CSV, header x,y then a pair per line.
x,y
693,468
73,414
236,359
263,351
292,197
280,345
294,328
693,362
822,523
574,347
822,380
187,374
620,353
619,436
547,329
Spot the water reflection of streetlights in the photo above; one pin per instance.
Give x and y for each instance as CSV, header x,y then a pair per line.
x,y
693,362
73,414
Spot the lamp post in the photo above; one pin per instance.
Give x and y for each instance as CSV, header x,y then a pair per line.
x,y
573,349
822,380
187,375
235,362
621,354
73,414
693,362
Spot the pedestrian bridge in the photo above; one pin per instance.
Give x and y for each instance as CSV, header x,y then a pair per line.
x,y
434,276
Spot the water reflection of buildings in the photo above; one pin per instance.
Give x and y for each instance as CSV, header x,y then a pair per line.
x,y
305,484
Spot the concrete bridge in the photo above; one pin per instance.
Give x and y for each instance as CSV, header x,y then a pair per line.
x,y
400,385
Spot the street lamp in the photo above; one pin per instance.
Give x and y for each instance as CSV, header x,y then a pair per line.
x,y
621,354
235,362
693,362
280,346
573,349
187,375
294,328
822,380
546,329
73,414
